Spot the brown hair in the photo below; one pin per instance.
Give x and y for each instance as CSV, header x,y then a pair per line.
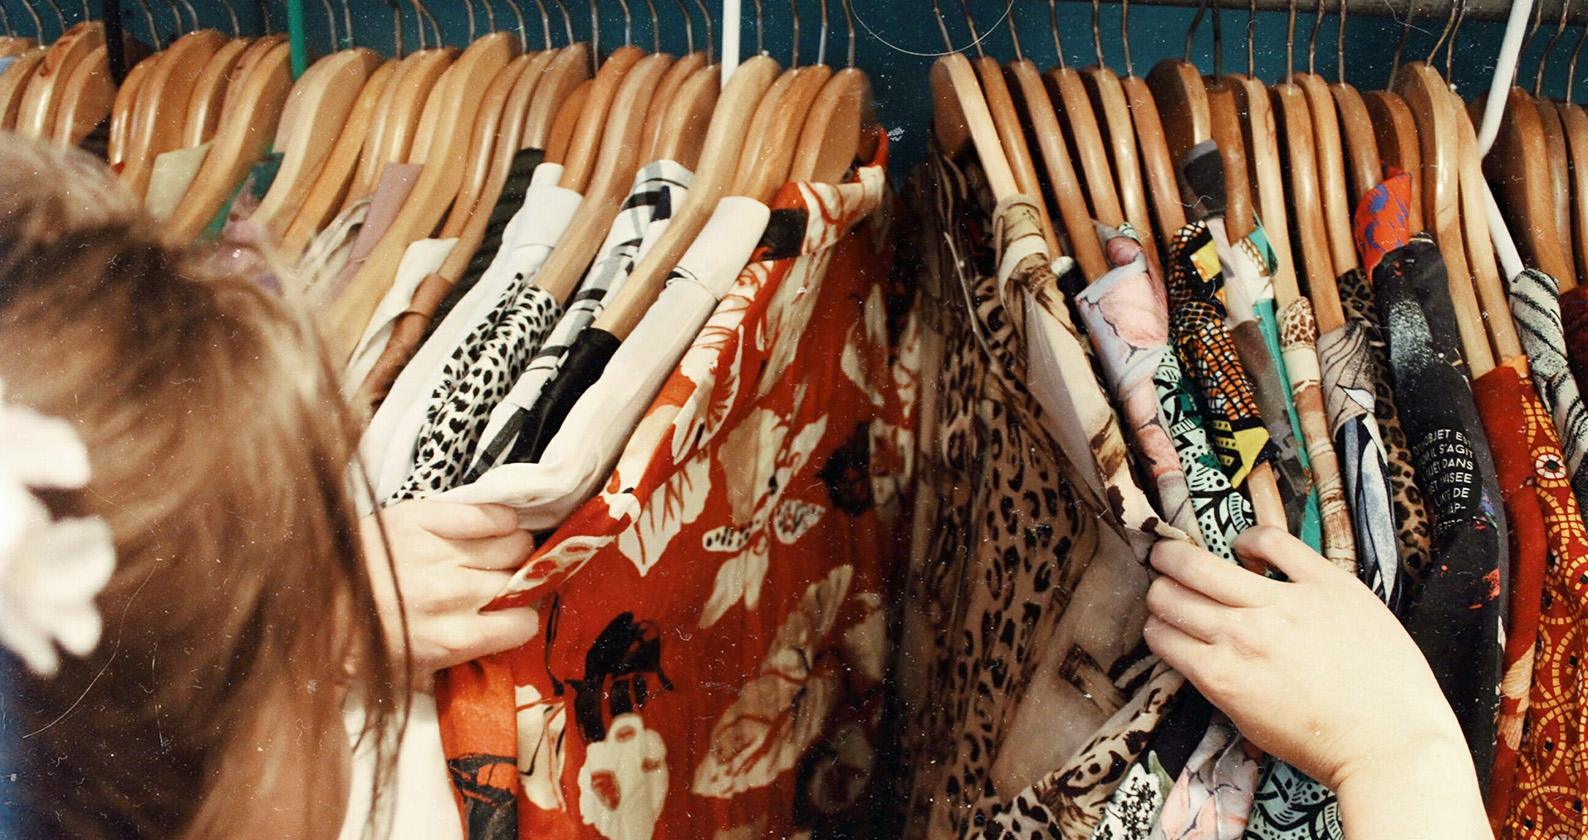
x,y
219,448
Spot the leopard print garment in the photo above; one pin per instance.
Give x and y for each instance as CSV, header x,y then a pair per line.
x,y
1413,527
1005,539
476,378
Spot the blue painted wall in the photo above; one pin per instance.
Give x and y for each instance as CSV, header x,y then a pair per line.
x,y
896,40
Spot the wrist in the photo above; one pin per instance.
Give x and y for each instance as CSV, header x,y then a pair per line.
x,y
1425,787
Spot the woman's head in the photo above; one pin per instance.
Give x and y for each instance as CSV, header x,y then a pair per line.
x,y
219,448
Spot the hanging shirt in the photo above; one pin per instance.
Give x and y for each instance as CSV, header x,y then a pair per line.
x,y
1507,405
645,710
658,188
1551,770
1413,530
1535,307
579,457
390,443
396,183
1008,537
429,304
420,259
1126,313
328,251
1456,617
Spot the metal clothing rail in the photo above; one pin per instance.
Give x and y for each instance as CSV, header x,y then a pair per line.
x,y
1424,10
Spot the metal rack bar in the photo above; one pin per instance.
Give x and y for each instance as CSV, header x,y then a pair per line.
x,y
1426,10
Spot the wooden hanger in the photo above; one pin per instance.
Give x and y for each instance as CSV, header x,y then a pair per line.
x,y
1486,278
322,98
396,120
1399,147
490,130
336,175
1074,107
840,129
769,168
1518,168
580,160
1422,89
1225,122
12,46
248,123
121,109
86,98
960,117
1182,99
1329,157
1559,171
1260,134
14,83
761,121
1156,162
1044,122
1361,148
209,92
42,98
160,113
1575,122
614,171
562,128
682,134
1011,132
1108,98
567,70
713,178
672,82
433,192
1296,130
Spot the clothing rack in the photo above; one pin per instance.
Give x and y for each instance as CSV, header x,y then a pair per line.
x,y
1424,10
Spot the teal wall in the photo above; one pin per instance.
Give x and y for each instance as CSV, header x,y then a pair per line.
x,y
897,40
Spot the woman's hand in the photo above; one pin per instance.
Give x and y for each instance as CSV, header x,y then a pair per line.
x,y
1318,672
451,559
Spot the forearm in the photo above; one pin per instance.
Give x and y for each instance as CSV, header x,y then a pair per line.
x,y
1427,792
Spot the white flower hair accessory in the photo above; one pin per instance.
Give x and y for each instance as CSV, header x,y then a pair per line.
x,y
50,569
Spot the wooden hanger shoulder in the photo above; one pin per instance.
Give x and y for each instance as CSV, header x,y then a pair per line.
x,y
12,46
396,124
161,111
1422,89
1361,149
1294,121
580,161
1074,107
1399,147
323,102
672,81
1182,105
1486,278
567,70
42,98
760,123
840,129
1108,99
86,98
1575,122
320,205
1330,156
614,174
770,168
487,131
713,178
248,125
960,116
1225,123
121,110
682,135
209,92
1559,172
1011,133
1255,109
1077,218
433,191
567,120
1157,165
14,83
1518,167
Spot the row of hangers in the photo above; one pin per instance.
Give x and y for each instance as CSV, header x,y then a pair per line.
x,y
1298,153
463,114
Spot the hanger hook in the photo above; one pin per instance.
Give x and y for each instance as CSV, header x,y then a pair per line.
x,y
148,20
1218,44
545,23
176,15
656,27
1455,33
794,18
1400,43
1097,31
1251,39
1014,37
942,26
1191,31
1053,23
1124,37
330,22
760,29
419,24
490,15
1571,68
518,17
191,13
628,24
975,37
1312,42
849,24
1290,44
1538,80
567,20
595,32
5,21
396,27
711,37
468,8
821,43
1538,16
1339,47
231,15
1449,22
689,26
